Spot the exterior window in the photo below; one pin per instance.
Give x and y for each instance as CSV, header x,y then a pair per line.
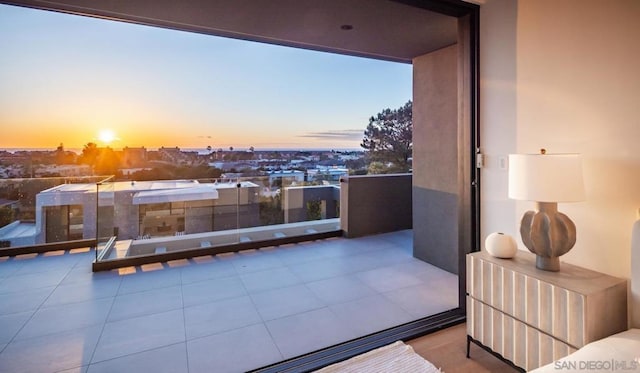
x,y
64,223
76,225
162,219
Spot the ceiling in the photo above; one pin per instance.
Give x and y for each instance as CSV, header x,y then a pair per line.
x,y
382,29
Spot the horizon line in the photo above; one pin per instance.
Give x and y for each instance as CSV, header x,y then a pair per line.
x,y
198,149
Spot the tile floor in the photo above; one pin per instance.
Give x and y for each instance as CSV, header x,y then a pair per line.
x,y
228,313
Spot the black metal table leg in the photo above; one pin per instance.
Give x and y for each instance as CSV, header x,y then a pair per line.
x,y
479,344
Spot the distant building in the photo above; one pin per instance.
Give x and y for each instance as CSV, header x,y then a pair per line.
x,y
230,176
63,170
177,156
330,174
134,157
351,156
130,210
285,177
130,171
234,165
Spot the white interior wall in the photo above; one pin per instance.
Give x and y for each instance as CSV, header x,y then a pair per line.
x,y
564,75
497,112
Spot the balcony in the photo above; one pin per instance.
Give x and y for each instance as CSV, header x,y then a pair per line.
x,y
234,310
231,312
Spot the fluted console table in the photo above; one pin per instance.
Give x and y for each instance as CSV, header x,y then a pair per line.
x,y
531,317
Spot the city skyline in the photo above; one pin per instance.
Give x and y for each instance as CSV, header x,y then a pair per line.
x,y
69,79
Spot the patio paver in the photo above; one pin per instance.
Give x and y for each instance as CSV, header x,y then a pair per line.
x,y
227,313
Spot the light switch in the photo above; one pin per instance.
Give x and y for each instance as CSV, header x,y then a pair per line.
x,y
502,162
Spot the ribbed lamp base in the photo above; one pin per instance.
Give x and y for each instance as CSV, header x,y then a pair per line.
x,y
549,234
548,264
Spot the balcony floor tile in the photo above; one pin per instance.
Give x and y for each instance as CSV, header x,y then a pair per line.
x,y
238,350
195,272
11,324
220,316
50,353
8,267
298,334
83,291
28,300
371,314
58,319
45,263
387,279
212,290
422,270
340,247
270,279
256,261
283,302
81,274
125,337
169,359
340,289
38,280
82,369
291,255
228,312
149,280
321,269
421,301
146,303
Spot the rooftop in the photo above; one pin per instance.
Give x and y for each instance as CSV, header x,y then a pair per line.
x,y
17,229
136,186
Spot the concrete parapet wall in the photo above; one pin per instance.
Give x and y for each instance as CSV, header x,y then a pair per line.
x,y
373,204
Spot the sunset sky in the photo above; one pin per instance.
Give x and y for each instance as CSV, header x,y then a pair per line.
x,y
71,79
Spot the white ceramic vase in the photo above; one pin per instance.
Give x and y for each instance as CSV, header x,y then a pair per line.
x,y
501,245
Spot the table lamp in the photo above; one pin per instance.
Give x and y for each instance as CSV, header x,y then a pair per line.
x,y
547,179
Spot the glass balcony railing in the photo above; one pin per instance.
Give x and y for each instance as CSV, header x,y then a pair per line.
x,y
157,217
166,215
130,219
105,232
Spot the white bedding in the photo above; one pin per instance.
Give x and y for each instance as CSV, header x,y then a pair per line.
x,y
617,353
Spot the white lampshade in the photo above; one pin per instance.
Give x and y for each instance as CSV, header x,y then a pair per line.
x,y
546,177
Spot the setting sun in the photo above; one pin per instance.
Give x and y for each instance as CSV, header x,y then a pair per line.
x,y
106,136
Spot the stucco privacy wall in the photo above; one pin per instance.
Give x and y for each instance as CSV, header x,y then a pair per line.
x,y
565,74
435,158
374,204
